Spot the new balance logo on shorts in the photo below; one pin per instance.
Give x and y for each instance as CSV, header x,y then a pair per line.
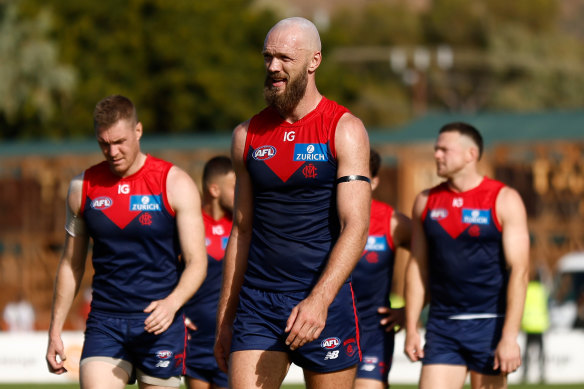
x,y
331,355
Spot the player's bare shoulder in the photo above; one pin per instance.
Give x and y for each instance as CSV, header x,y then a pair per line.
x,y
238,139
74,194
509,204
180,188
351,128
420,202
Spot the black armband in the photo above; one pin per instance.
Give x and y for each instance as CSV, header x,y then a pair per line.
x,y
352,177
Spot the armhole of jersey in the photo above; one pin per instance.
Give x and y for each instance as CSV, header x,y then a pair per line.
x,y
164,191
248,137
390,211
495,217
333,132
425,211
84,190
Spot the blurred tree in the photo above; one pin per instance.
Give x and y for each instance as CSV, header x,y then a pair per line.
x,y
194,66
189,66
455,22
32,80
367,85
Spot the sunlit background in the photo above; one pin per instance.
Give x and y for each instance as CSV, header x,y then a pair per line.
x,y
194,69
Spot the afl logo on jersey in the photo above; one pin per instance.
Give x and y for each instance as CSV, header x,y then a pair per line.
x,y
263,153
101,203
438,214
330,343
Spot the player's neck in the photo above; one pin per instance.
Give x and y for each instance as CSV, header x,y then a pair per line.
x,y
306,105
213,209
136,165
465,182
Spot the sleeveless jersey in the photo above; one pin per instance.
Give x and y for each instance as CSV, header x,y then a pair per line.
x,y
293,169
374,272
466,264
135,240
205,299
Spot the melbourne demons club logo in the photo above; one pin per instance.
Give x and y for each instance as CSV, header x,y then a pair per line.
x,y
145,219
350,346
309,171
372,257
474,231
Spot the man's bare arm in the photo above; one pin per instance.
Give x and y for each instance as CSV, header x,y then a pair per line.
x,y
185,200
513,218
308,318
416,280
236,253
69,275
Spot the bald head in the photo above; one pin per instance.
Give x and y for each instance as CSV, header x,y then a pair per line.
x,y
302,33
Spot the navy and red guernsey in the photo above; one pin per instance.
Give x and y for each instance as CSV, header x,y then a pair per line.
x,y
135,240
467,270
293,169
373,274
204,302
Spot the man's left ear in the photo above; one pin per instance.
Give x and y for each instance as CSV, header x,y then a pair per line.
x,y
474,153
139,130
315,61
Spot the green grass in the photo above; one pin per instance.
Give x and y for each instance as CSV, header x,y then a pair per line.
x,y
70,386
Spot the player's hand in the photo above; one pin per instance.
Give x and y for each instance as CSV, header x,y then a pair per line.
x,y
191,326
223,347
393,317
56,355
306,322
161,316
412,347
507,356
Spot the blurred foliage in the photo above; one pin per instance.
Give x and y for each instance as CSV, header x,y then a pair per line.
x,y
32,80
187,65
195,66
507,55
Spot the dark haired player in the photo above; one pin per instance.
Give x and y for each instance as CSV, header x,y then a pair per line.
x,y
201,311
470,252
388,230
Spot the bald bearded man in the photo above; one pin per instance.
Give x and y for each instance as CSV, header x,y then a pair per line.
x,y
300,225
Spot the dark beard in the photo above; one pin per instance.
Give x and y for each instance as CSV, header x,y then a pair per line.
x,y
286,102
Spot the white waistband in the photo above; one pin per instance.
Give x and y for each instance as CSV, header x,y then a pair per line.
x,y
471,316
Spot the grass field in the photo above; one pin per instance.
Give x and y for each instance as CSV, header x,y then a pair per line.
x,y
71,386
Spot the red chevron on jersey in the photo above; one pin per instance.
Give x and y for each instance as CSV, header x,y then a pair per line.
x,y
286,147
456,212
283,166
122,219
122,200
216,235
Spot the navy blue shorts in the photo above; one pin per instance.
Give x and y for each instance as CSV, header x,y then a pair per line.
x,y
215,377
261,319
470,343
200,361
377,347
124,337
